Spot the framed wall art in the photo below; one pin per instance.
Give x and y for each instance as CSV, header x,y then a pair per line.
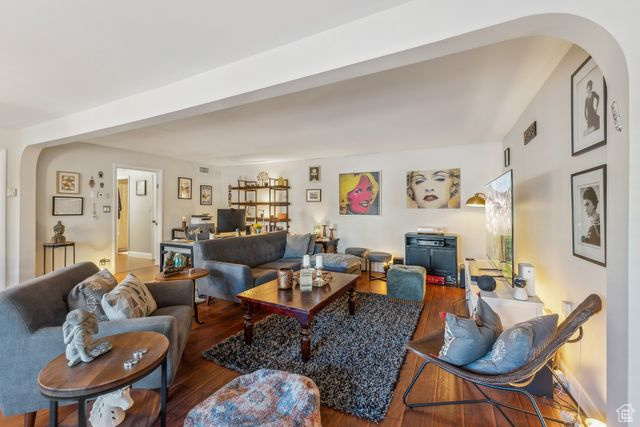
x,y
588,108
314,173
314,195
589,214
67,206
67,182
184,188
206,195
433,189
141,187
359,193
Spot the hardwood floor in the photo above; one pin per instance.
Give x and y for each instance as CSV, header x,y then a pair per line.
x,y
197,378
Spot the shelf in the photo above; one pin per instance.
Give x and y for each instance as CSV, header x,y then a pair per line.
x,y
261,187
261,203
259,220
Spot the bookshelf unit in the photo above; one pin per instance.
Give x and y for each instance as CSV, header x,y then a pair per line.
x,y
270,197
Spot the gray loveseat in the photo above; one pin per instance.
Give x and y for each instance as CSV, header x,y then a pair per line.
x,y
240,263
31,318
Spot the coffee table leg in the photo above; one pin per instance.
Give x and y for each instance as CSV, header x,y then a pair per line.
x,y
195,306
163,395
248,325
352,300
53,413
305,342
82,416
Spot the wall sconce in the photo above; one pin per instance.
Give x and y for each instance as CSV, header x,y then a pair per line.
x,y
478,200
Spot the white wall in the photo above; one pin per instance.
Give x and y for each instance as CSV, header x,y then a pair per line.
x,y
141,212
543,224
94,237
479,163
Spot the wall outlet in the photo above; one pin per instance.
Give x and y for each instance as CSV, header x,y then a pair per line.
x,y
12,192
567,307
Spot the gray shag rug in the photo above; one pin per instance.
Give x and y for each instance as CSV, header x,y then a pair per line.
x,y
355,360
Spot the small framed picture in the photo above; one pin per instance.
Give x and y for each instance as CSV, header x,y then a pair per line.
x,y
67,206
184,188
314,173
589,214
314,195
106,209
588,108
507,157
206,195
68,182
141,187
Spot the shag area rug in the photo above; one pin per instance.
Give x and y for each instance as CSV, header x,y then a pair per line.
x,y
355,360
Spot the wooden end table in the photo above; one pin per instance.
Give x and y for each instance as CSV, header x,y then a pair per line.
x,y
187,274
105,374
302,306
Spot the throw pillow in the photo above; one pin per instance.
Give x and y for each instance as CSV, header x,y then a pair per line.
x,y
312,244
464,340
517,346
129,299
485,316
297,245
87,294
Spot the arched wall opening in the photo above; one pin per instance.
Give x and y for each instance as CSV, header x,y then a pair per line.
x,y
594,39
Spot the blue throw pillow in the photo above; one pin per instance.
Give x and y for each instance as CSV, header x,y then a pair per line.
x,y
485,316
517,346
297,245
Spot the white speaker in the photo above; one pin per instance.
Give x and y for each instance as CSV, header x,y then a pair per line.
x,y
527,272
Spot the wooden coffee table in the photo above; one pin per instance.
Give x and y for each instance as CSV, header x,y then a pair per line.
x,y
192,274
297,304
105,374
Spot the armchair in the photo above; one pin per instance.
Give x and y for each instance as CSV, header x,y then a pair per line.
x,y
31,318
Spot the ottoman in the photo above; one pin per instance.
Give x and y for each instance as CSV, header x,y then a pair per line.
x,y
360,253
381,257
265,397
406,283
340,263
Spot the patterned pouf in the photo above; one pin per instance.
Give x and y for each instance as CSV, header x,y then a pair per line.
x,y
341,263
265,397
406,283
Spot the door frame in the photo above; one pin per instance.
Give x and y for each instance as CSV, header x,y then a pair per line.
x,y
157,201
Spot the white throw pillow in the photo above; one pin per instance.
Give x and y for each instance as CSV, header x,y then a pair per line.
x,y
131,298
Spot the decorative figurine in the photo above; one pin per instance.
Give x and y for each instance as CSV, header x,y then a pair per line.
x,y
108,409
78,330
172,264
58,229
263,178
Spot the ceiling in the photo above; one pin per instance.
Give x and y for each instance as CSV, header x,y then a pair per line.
x,y
471,97
65,56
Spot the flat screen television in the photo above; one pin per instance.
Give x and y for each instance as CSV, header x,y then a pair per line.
x,y
499,224
230,219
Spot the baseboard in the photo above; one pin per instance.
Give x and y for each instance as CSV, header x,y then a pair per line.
x,y
140,255
576,390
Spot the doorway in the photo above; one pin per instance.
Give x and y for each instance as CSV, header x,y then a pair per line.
x,y
136,219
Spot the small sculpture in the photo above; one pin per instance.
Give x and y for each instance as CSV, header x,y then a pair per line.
x,y
108,409
58,229
172,263
78,330
196,233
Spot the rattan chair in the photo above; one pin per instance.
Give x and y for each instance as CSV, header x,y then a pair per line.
x,y
428,348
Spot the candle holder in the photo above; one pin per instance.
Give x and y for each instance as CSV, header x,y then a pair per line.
x,y
324,230
331,233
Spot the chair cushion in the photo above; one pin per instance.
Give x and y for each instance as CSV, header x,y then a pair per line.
x,y
262,275
517,346
88,294
262,398
379,257
129,299
292,263
183,315
297,245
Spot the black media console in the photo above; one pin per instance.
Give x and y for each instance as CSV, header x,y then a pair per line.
x,y
438,253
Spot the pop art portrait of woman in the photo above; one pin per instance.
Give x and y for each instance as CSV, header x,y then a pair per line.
x,y
360,193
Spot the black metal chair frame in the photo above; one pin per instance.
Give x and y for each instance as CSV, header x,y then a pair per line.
x,y
514,381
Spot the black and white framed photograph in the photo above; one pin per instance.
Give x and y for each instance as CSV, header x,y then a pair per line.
x,y
507,157
206,195
67,206
314,195
141,187
589,214
314,173
184,188
588,108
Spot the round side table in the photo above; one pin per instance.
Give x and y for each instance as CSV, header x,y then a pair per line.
x,y
192,274
106,373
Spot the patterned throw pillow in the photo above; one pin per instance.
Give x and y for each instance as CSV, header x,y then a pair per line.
x,y
88,294
129,299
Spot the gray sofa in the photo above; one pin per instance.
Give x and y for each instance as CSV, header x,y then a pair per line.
x,y
31,318
240,263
